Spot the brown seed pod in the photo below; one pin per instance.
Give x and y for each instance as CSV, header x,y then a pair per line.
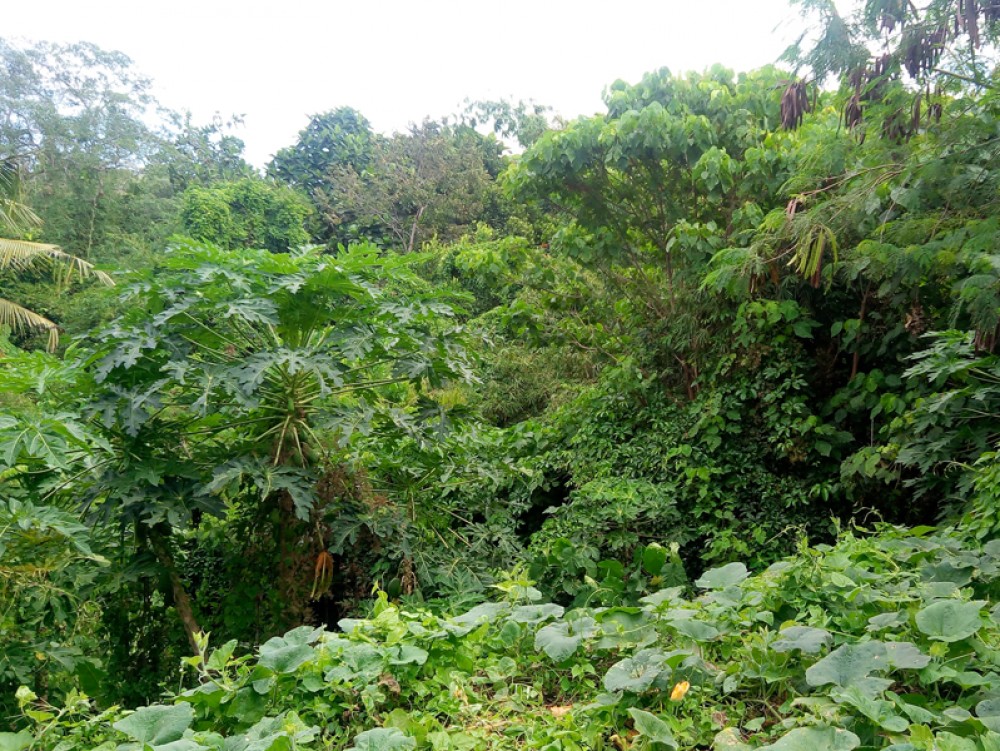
x,y
853,112
794,104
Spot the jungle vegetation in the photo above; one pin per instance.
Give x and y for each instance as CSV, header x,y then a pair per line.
x,y
677,426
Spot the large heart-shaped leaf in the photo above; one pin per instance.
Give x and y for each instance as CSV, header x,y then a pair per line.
x,y
988,712
722,577
560,640
697,630
557,642
803,638
848,665
635,673
815,739
407,654
157,725
652,727
950,620
905,655
285,654
536,613
383,739
15,741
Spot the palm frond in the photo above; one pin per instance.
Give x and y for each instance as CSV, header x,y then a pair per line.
x,y
16,217
17,318
20,255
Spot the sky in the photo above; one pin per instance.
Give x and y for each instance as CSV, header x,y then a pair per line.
x,y
279,62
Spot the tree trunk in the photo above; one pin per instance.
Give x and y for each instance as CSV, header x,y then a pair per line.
x,y
413,229
182,602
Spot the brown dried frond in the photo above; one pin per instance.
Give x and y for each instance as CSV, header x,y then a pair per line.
x,y
967,20
893,14
915,114
915,322
896,127
408,577
986,341
390,682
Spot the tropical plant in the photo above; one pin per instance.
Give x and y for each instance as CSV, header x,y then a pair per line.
x,y
243,384
19,256
882,641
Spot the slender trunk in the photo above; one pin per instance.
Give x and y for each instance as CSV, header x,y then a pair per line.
x,y
413,229
182,602
861,322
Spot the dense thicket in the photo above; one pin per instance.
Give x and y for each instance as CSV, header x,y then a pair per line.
x,y
578,390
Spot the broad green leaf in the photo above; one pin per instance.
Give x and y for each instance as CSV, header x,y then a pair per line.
x,y
652,727
285,654
383,739
944,741
15,741
950,620
905,655
485,613
804,638
653,558
722,577
671,595
729,739
697,630
988,712
815,739
157,725
557,642
536,613
407,654
635,673
886,620
848,665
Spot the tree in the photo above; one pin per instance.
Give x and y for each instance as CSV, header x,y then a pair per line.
x,y
431,180
19,256
74,119
247,213
525,122
237,382
649,191
202,154
338,139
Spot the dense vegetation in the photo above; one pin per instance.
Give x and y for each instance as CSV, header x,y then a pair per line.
x,y
676,428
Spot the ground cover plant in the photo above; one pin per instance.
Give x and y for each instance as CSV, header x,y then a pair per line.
x,y
885,640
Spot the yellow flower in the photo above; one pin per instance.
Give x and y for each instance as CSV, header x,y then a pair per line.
x,y
680,690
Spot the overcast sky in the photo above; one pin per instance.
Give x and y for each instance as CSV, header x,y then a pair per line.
x,y
278,62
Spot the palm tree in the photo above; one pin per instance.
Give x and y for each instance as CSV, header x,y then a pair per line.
x,y
21,255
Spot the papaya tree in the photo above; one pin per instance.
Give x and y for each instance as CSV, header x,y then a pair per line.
x,y
236,383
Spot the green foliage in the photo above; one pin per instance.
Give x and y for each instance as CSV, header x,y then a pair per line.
x,y
48,573
705,320
433,180
839,647
249,213
339,139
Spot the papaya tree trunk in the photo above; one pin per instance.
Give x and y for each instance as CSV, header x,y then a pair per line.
x,y
182,602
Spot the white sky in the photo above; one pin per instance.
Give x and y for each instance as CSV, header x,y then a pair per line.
x,y
279,62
